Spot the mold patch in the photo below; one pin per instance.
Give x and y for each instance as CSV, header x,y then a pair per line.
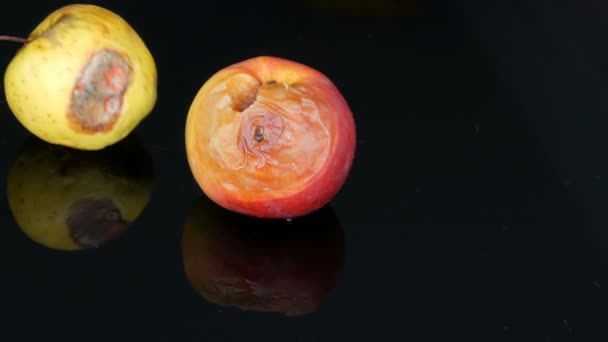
x,y
97,97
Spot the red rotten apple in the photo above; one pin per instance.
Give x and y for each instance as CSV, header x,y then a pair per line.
x,y
270,138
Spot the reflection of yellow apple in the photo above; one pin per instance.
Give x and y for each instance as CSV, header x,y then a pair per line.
x,y
83,78
262,265
70,199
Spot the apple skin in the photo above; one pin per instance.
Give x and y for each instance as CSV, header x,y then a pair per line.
x,y
41,81
71,200
261,265
307,143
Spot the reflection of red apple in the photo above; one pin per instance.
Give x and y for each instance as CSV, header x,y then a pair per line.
x,y
270,138
262,265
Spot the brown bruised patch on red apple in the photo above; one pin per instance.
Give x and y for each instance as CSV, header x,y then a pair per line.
x,y
276,125
252,264
97,97
270,138
94,221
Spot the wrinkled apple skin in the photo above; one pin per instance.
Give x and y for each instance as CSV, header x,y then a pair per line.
x,y
40,80
71,200
306,130
261,265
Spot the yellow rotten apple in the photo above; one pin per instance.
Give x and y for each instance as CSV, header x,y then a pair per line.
x,y
83,78
69,199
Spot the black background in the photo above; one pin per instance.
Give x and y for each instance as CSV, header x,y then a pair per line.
x,y
475,208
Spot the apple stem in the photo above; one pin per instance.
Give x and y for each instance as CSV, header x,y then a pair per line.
x,y
14,39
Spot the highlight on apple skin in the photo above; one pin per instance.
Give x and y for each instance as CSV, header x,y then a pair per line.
x,y
270,138
84,78
72,200
251,264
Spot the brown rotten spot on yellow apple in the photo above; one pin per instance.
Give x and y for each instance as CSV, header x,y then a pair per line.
x,y
97,98
83,78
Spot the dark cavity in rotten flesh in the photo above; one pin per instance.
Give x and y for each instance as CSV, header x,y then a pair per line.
x,y
243,100
259,133
91,222
97,97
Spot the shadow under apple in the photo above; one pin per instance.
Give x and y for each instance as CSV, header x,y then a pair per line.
x,y
262,265
69,199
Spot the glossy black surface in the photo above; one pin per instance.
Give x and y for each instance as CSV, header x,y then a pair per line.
x,y
475,209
